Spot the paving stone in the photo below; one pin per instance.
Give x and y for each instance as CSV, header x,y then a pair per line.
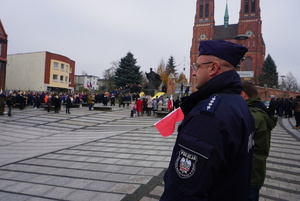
x,y
158,191
100,186
6,183
148,199
41,179
124,188
108,196
37,190
139,179
79,183
18,187
80,195
58,193
38,199
13,197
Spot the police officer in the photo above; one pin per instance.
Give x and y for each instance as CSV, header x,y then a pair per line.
x,y
211,159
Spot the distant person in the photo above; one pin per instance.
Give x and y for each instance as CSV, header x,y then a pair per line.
x,y
187,89
90,101
177,102
2,104
273,105
9,103
296,108
181,88
68,104
112,100
264,124
139,107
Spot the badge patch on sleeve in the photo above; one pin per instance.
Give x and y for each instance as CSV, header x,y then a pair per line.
x,y
185,164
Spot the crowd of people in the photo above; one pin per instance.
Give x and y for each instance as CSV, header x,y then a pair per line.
x,y
149,105
56,101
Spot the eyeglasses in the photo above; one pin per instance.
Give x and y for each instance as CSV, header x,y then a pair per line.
x,y
197,66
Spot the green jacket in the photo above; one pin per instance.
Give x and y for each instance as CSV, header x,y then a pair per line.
x,y
264,123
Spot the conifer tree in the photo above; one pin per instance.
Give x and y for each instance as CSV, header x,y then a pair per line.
x,y
171,67
269,74
128,72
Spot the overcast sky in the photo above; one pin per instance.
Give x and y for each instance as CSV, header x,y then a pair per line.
x,y
95,33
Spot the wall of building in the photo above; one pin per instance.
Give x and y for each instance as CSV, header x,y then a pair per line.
x,y
49,71
3,56
34,72
265,93
61,71
26,71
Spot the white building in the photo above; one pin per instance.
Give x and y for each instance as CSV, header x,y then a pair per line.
x,y
40,71
86,81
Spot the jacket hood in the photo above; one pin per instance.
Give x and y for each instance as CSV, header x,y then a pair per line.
x,y
270,120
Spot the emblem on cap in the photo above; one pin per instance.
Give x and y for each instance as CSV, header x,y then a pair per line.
x,y
185,164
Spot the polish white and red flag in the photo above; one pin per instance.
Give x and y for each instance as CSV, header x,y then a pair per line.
x,y
166,126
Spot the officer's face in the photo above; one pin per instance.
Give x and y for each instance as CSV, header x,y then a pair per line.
x,y
201,71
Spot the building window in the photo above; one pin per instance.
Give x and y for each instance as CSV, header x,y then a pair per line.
x,y
0,49
253,6
201,11
70,70
55,77
246,6
67,68
248,64
66,79
70,80
55,65
206,10
62,67
61,78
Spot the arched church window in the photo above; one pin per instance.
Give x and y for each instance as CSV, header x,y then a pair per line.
x,y
253,6
206,10
248,64
246,6
201,11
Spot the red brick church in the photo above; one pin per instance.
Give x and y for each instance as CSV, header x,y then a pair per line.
x,y
249,25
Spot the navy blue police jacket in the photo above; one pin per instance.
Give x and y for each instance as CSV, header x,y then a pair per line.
x,y
212,156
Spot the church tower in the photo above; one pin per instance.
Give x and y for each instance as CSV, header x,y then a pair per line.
x,y
249,24
203,27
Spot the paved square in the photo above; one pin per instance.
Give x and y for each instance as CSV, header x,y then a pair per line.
x,y
106,155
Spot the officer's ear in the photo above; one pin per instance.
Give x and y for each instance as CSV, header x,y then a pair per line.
x,y
214,68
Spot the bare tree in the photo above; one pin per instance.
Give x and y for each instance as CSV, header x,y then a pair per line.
x,y
161,70
109,76
290,82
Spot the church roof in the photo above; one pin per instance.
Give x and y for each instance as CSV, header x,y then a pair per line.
x,y
222,33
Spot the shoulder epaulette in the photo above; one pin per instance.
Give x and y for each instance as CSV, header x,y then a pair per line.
x,y
210,104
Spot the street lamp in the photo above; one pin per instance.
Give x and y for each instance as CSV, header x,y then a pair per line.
x,y
241,38
282,81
